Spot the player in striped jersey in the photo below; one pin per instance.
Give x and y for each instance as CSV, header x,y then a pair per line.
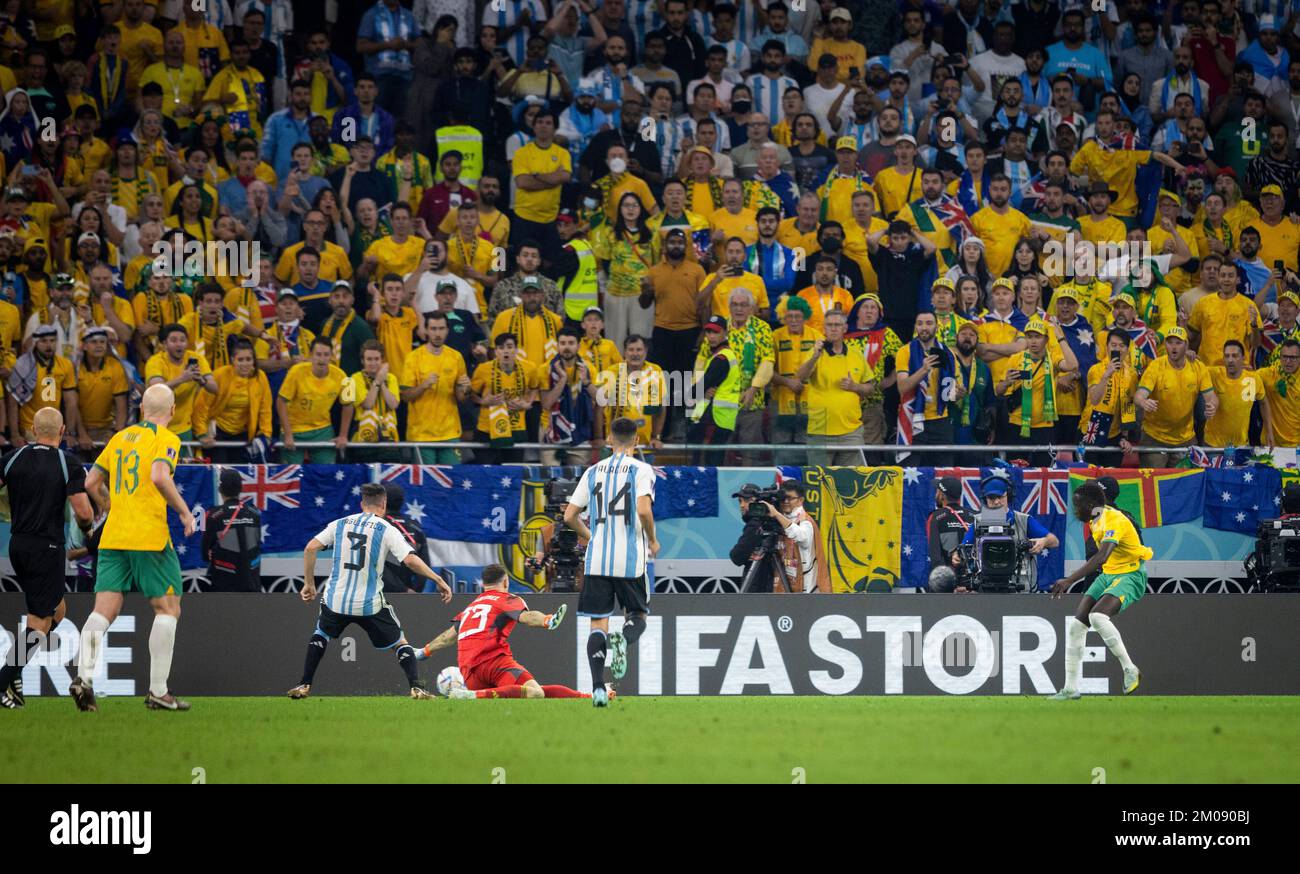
x,y
618,493
354,592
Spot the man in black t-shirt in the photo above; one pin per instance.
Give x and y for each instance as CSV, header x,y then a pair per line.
x,y
947,525
397,577
232,540
901,260
40,478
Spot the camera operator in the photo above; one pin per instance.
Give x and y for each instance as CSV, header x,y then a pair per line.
x,y
560,558
799,540
1026,530
948,523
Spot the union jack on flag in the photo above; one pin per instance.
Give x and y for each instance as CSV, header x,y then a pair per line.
x,y
266,488
416,474
954,218
970,481
1047,491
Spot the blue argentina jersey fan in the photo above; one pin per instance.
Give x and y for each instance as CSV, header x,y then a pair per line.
x,y
362,543
609,491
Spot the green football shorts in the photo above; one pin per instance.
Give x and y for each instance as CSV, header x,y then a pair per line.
x,y
152,574
1129,587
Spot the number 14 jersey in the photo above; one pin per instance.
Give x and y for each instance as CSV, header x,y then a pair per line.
x,y
362,543
609,491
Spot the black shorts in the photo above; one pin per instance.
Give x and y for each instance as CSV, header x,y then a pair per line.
x,y
39,567
383,629
599,593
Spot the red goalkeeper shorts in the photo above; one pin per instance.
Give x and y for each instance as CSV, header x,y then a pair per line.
x,y
499,671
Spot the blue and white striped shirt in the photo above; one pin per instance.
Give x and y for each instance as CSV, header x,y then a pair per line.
x,y
609,491
507,14
362,543
768,93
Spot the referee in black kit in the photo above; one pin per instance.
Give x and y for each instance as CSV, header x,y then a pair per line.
x,y
40,477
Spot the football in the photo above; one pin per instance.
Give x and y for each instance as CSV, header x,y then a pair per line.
x,y
448,679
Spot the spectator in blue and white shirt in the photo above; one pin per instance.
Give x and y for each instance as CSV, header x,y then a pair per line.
x,y
386,38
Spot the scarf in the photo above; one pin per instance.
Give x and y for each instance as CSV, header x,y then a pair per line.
x,y
966,373
1019,173
550,347
1029,366
572,414
947,383
1223,233
754,261
391,25
861,182
378,424
154,311
216,350
25,375
109,83
1036,95
1285,383
334,330
500,420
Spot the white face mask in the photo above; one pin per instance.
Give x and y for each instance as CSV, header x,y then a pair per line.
x,y
590,202
617,165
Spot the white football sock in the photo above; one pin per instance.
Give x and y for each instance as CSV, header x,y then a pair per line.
x,y
162,638
1102,624
92,639
1075,633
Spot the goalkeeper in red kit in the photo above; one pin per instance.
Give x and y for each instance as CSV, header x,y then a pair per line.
x,y
481,633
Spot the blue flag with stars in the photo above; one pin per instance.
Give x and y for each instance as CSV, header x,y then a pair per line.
x,y
468,502
297,501
918,504
196,485
1237,498
686,492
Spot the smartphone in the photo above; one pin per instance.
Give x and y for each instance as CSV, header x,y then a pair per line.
x,y
1279,265
853,72
537,65
29,170
1116,355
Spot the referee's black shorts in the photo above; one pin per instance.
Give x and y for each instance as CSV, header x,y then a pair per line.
x,y
39,566
383,629
599,594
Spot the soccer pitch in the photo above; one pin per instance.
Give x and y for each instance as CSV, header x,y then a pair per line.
x,y
670,739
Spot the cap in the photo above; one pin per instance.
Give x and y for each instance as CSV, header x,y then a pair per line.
x,y
943,282
906,138
344,283
1100,187
973,241
64,280
88,235
1227,171
446,285
597,310
717,323
1166,194
950,486
1289,295
1036,326
850,144
704,150
1067,292
1264,22
841,14
231,482
879,61
45,331
993,485
95,331
1004,282
566,215
66,30
1271,189
586,89
1124,297
748,490
675,232
532,283
16,193
1176,332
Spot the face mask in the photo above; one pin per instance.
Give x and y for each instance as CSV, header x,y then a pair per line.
x,y
617,165
590,202
831,245
742,107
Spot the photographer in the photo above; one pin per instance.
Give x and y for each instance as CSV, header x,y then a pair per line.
x,y
1026,531
798,540
948,523
560,557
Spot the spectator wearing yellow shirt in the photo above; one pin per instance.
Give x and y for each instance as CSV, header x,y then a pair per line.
x,y
210,327
185,372
717,287
800,230
1279,236
205,47
1223,316
1116,166
1167,396
900,183
1167,237
395,325
794,343
239,412
334,263
635,389
843,183
614,185
1110,414
374,395
398,253
1156,304
838,380
1000,225
109,311
1032,388
141,43
40,378
471,255
285,342
410,172
1237,389
182,83
1281,384
505,390
196,169
943,299
240,90
541,169
534,326
733,218
434,382
1098,226
102,390
824,296
492,222
304,403
849,54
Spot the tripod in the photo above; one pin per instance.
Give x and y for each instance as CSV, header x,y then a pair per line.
x,y
770,557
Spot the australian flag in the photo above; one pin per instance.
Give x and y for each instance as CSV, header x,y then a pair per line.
x,y
460,502
298,501
1238,498
686,492
195,483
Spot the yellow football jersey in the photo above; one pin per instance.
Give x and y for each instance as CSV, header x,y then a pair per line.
x,y
137,516
1112,526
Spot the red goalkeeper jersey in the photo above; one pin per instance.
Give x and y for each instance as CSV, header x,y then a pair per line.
x,y
485,626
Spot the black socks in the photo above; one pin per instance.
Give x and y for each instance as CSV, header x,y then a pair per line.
x,y
633,628
596,645
315,652
406,658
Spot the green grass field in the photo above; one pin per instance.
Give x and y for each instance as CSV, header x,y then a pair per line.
x,y
757,739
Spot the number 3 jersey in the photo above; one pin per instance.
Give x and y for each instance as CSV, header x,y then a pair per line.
x,y
362,543
485,626
609,491
137,515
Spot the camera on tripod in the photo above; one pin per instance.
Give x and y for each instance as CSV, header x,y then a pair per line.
x,y
757,510
995,562
1274,566
564,554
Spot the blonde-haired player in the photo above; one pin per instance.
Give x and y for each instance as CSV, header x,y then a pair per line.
x,y
132,482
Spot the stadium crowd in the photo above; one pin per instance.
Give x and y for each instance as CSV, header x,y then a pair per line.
x,y
777,222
